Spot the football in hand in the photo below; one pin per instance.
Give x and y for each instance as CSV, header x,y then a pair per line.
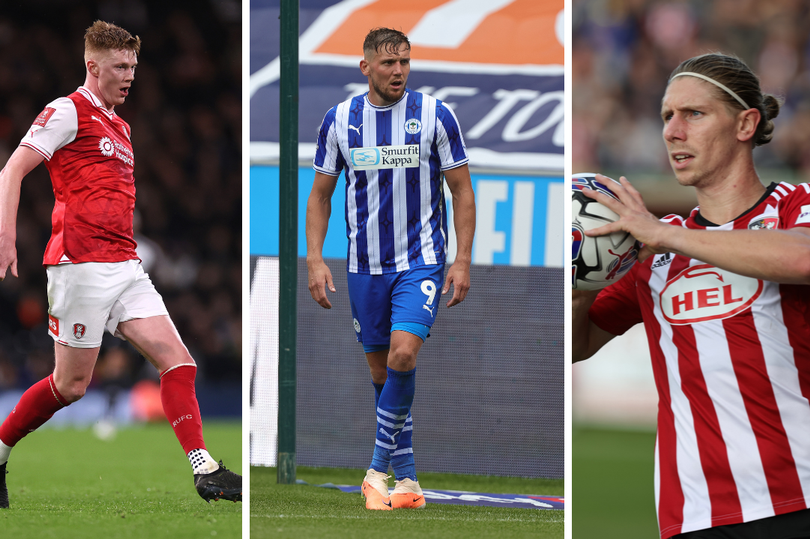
x,y
597,261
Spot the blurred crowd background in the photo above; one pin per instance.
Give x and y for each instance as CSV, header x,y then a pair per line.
x,y
185,112
623,54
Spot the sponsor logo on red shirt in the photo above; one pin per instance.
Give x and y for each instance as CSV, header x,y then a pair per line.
x,y
704,292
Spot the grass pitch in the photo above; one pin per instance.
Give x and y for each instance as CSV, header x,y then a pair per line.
x,y
612,484
295,511
68,483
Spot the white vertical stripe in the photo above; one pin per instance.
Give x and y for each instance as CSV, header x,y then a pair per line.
x,y
781,367
341,122
445,154
555,235
428,120
520,250
400,190
332,148
696,510
656,282
341,140
351,213
373,191
724,391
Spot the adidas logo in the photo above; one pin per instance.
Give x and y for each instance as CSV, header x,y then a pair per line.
x,y
663,261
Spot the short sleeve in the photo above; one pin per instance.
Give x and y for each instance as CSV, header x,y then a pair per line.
x,y
794,209
616,308
328,159
450,141
55,127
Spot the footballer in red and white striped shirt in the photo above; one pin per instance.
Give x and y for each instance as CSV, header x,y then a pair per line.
x,y
724,298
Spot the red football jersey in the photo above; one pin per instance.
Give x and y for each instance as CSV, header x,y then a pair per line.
x,y
89,157
731,359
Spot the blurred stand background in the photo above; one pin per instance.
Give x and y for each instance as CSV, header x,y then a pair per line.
x,y
623,52
185,114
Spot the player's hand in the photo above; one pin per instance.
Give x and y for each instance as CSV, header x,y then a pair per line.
x,y
320,278
459,276
8,258
634,217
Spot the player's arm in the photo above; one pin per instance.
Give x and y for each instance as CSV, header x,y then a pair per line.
x,y
460,184
319,208
586,337
781,256
22,161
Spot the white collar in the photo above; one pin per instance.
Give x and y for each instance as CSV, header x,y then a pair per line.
x,y
90,96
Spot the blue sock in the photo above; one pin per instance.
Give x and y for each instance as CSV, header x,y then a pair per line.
x,y
377,391
393,408
402,457
381,459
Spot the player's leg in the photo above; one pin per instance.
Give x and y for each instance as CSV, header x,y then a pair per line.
x,y
140,317
67,384
375,483
378,367
369,296
396,400
156,338
414,302
78,305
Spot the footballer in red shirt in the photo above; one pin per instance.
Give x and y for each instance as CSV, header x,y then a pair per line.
x,y
95,280
723,295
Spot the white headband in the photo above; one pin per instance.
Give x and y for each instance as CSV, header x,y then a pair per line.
x,y
721,86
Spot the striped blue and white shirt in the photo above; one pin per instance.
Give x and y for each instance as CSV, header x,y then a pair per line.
x,y
393,157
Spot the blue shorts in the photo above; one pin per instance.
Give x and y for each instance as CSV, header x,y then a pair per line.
x,y
406,301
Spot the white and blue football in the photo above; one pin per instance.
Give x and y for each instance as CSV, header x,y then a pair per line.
x,y
598,261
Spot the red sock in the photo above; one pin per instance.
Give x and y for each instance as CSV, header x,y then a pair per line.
x,y
36,406
180,405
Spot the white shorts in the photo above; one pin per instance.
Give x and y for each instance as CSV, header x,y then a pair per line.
x,y
86,298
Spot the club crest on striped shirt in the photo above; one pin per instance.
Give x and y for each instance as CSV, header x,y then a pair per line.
x,y
413,126
766,223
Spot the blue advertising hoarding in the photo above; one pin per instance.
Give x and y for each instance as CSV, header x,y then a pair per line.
x,y
519,219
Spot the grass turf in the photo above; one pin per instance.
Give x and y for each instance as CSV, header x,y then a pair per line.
x,y
307,511
68,483
612,484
